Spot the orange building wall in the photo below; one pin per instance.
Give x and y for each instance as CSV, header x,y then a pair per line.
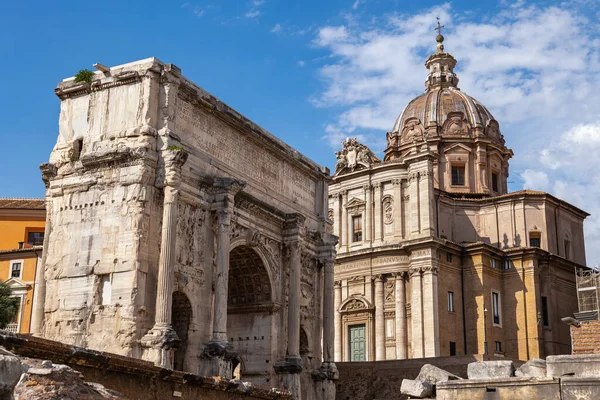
x,y
14,230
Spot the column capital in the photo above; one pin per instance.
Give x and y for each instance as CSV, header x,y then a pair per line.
x,y
337,284
430,269
366,187
377,185
174,160
229,186
399,274
413,271
378,278
396,182
294,220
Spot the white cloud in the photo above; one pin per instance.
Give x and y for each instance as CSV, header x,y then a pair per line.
x,y
257,3
356,4
252,14
199,12
330,35
276,28
534,67
301,63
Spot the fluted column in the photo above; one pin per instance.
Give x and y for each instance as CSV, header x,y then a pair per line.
x,y
338,321
416,313
39,294
379,319
222,276
328,312
164,290
401,349
430,312
215,360
162,338
294,300
291,367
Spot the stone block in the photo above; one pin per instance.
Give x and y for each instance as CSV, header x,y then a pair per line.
x,y
414,388
432,374
534,368
579,388
490,369
10,373
580,365
499,389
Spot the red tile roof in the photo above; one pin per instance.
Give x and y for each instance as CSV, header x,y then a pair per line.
x,y
27,204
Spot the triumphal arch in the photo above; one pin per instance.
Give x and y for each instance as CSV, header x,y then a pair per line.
x,y
182,233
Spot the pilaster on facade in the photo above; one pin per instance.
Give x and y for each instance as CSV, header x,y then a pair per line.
x,y
379,318
400,315
416,303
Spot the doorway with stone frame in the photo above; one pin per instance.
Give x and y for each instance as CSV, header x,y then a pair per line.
x,y
250,315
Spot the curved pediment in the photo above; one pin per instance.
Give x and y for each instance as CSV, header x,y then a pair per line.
x,y
355,303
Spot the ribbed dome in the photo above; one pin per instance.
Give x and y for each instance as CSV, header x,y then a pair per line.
x,y
434,106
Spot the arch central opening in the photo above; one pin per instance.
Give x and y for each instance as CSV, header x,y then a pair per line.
x,y
250,314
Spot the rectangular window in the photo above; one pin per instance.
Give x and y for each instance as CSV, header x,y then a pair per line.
x,y
494,263
451,301
452,348
507,264
458,175
357,228
545,316
35,238
567,249
496,306
495,182
105,290
498,347
535,239
15,269
449,257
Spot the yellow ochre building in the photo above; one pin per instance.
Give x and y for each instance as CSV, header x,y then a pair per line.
x,y
22,223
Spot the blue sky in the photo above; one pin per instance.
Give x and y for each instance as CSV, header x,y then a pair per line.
x,y
314,72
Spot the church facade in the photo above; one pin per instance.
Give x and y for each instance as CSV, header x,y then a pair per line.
x,y
180,232
435,256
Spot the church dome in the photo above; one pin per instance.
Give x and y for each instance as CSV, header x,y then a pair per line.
x,y
443,112
436,105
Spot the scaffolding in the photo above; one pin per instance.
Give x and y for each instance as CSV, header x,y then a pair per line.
x,y
588,293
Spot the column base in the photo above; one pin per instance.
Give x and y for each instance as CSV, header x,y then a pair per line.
x,y
290,370
291,365
216,359
159,346
327,371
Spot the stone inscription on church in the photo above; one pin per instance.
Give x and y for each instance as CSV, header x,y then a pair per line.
x,y
220,141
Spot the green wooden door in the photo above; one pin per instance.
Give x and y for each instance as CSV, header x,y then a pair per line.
x,y
358,342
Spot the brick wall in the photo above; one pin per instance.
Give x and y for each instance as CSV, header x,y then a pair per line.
x,y
586,338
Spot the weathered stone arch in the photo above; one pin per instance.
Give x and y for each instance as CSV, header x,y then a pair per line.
x,y
247,270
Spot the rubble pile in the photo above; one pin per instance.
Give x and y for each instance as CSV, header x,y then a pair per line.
x,y
23,378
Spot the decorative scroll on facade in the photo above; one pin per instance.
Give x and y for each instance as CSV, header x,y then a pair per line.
x,y
354,155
